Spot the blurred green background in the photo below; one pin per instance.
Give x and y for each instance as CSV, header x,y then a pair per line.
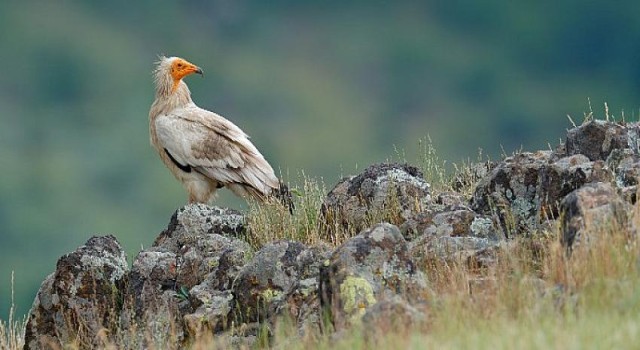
x,y
325,87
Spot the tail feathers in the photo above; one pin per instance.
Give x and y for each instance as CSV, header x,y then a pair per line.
x,y
284,195
245,191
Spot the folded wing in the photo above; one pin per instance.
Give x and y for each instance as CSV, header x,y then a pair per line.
x,y
209,144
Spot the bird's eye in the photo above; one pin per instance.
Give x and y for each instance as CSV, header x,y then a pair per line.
x,y
179,65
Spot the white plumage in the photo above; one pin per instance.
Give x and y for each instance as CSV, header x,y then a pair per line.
x,y
202,149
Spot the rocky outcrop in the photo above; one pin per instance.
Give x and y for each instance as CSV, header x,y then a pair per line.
x,y
80,302
201,278
177,289
197,279
390,190
511,192
596,139
282,279
454,221
181,285
393,314
627,173
595,206
524,191
566,174
372,266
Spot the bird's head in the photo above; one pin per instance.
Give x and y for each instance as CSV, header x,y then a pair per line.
x,y
180,68
174,68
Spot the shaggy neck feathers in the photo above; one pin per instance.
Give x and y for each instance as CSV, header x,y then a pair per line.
x,y
169,93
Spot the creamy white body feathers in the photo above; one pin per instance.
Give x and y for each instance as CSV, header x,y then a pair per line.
x,y
202,149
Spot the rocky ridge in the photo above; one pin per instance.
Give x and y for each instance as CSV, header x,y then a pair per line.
x,y
200,278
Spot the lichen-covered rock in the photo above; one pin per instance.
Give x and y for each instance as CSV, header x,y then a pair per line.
x,y
595,207
471,175
199,219
200,279
282,279
474,251
451,199
395,190
453,234
618,144
213,313
596,139
558,179
451,221
524,191
626,163
626,167
511,192
81,299
372,266
186,272
392,315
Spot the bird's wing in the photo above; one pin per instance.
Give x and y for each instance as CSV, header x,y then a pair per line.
x,y
215,147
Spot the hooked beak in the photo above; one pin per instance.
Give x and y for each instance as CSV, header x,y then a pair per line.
x,y
199,71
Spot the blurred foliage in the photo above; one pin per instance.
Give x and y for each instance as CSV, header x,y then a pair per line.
x,y
325,87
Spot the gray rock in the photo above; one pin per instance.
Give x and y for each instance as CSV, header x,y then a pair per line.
x,y
370,267
450,221
81,299
200,279
396,190
595,207
451,199
200,219
596,139
626,167
184,275
391,315
558,179
511,192
213,314
474,251
524,191
470,175
282,279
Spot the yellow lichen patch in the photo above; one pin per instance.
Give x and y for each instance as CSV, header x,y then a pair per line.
x,y
269,294
213,263
357,295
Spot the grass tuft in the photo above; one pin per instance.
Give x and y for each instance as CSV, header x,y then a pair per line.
x,y
535,296
273,221
12,331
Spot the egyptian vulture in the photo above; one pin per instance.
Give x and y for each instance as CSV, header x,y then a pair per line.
x,y
202,149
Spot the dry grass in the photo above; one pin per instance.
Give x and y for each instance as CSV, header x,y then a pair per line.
x,y
273,221
12,331
11,334
535,296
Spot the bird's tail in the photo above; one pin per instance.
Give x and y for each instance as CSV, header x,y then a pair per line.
x,y
280,193
284,196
